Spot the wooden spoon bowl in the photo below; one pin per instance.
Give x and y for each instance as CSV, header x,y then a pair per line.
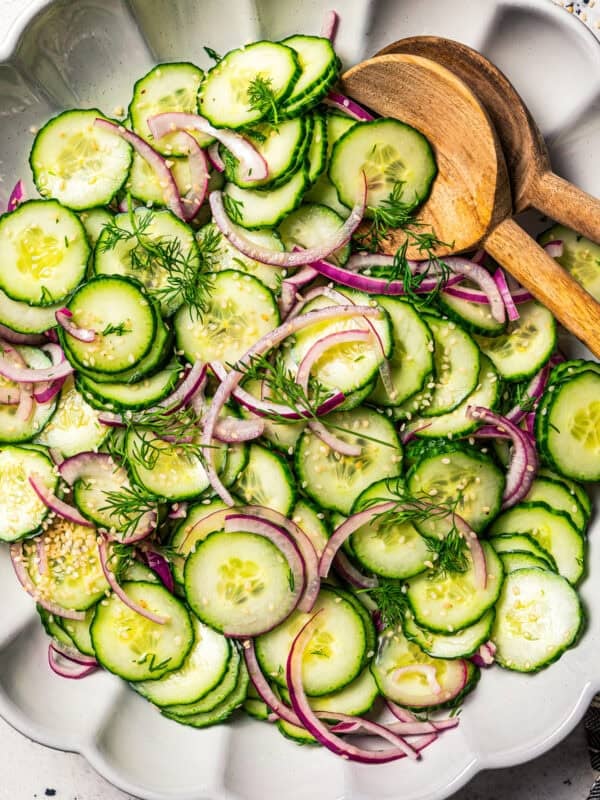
x,y
470,202
533,182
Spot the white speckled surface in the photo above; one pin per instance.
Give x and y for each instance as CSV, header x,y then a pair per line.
x,y
31,771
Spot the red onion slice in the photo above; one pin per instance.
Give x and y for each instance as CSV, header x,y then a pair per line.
x,y
64,317
69,668
318,729
18,558
330,25
346,570
290,287
555,249
55,504
254,166
523,461
192,201
534,390
276,258
178,511
16,196
42,556
215,157
233,379
73,654
160,566
509,303
347,106
232,430
33,339
45,392
407,722
25,406
485,656
120,592
20,374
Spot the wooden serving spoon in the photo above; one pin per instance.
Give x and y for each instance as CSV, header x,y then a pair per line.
x,y
470,202
534,184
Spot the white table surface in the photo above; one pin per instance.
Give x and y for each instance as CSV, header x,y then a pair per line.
x,y
29,771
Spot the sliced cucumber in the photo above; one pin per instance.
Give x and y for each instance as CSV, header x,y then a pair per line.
x,y
282,435
167,87
43,253
463,644
311,224
573,488
128,258
355,699
256,208
539,616
526,346
131,396
21,510
145,185
238,583
53,627
520,560
77,162
14,429
227,96
553,530
23,318
449,602
324,193
411,362
282,147
408,687
580,257
522,543
312,522
215,697
73,577
79,632
558,498
74,427
319,71
334,656
335,481
464,477
266,481
200,673
202,518
474,317
94,220
134,647
240,310
123,320
317,149
389,154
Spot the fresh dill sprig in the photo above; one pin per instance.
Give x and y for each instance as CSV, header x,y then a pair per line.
x,y
186,278
393,212
212,54
117,330
128,505
160,429
390,597
262,97
233,207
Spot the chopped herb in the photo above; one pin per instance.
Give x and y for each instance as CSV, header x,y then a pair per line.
x,y
262,97
391,601
118,330
233,207
212,54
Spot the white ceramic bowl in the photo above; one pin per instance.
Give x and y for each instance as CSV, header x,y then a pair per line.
x,y
89,52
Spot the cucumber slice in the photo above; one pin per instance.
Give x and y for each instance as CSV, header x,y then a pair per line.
x,y
23,318
319,71
223,710
43,253
411,362
324,193
522,543
266,481
143,183
128,257
53,627
13,429
526,346
466,478
256,208
240,310
123,320
391,155
317,149
135,648
256,708
282,147
73,577
227,96
131,396
452,601
94,220
335,481
388,548
463,644
215,697
136,571
21,510
539,616
202,518
558,498
553,530
219,255
295,733
573,488
335,654
167,87
312,522
282,435
237,455
337,126
74,427
78,163
200,673
456,367
346,367
79,632
474,317
311,224
571,428
164,469
459,422
581,257
410,688
238,583
517,560
355,699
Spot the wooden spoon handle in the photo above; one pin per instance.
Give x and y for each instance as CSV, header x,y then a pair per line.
x,y
515,250
565,203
